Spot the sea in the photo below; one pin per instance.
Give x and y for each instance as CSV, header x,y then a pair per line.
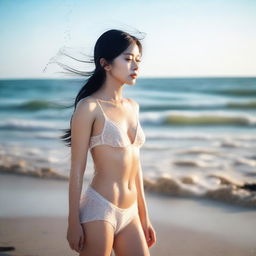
x,y
200,133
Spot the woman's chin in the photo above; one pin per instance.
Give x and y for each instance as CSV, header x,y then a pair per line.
x,y
131,82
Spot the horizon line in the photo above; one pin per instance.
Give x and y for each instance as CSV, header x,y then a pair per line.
x,y
144,77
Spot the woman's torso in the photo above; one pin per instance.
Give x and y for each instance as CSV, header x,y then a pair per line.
x,y
116,151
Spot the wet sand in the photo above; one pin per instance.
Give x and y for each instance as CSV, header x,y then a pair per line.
x,y
33,219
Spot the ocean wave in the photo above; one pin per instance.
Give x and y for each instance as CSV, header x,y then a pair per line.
x,y
21,167
200,136
199,119
239,105
195,163
170,119
227,191
37,105
234,92
208,120
199,106
44,135
230,143
197,150
33,105
26,125
245,161
221,188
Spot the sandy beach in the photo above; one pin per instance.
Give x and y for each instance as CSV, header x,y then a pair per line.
x,y
33,219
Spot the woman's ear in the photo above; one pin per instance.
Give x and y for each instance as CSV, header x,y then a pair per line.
x,y
104,64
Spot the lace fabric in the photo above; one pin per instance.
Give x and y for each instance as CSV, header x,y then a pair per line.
x,y
114,136
93,206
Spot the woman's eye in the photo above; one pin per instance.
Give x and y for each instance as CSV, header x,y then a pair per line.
x,y
136,60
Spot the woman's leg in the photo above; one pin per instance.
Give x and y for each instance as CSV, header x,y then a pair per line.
x,y
98,221
98,238
131,240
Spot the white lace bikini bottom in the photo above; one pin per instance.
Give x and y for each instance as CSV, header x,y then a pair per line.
x,y
93,206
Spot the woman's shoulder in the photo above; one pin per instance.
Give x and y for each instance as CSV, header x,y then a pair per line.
x,y
87,104
87,101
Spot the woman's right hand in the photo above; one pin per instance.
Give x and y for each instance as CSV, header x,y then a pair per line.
x,y
75,236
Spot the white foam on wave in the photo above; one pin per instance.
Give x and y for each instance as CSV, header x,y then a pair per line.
x,y
27,124
199,150
245,161
214,186
159,117
229,142
189,135
192,162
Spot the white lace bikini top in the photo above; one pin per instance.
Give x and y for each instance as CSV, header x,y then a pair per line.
x,y
113,135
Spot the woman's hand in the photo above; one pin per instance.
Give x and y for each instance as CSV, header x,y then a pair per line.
x,y
75,236
149,232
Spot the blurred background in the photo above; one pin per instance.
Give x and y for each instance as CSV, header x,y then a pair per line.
x,y
196,89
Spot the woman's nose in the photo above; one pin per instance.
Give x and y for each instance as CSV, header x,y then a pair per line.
x,y
135,65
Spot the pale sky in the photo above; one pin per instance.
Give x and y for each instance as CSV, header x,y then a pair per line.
x,y
183,38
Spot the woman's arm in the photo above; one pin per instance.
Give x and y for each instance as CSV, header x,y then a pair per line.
x,y
147,227
81,126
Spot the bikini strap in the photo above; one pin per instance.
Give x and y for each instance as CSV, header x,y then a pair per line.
x,y
101,108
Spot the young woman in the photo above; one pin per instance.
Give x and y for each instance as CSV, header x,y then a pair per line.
x,y
112,214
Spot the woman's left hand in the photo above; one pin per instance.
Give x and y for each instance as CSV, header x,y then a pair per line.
x,y
149,232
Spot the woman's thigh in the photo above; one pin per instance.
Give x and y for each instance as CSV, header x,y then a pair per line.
x,y
131,240
98,238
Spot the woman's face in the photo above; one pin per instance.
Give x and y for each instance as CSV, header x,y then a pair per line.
x,y
126,64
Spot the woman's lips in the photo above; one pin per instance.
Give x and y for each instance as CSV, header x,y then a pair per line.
x,y
133,76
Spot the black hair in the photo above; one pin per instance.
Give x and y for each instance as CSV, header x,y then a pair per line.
x,y
108,46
